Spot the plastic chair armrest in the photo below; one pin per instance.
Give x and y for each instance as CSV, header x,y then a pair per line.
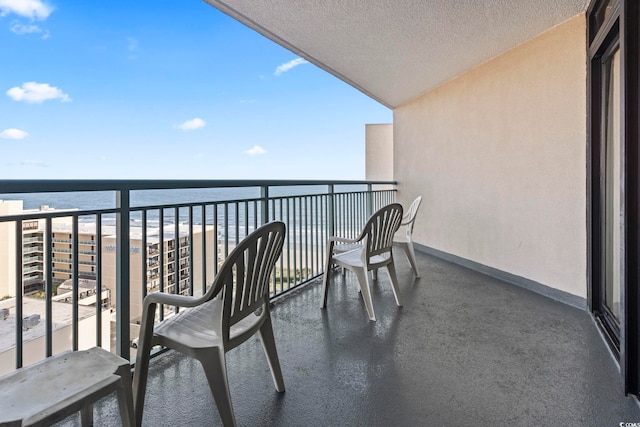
x,y
172,299
343,240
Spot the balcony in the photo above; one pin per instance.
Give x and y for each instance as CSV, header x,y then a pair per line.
x,y
32,249
464,350
205,229
37,239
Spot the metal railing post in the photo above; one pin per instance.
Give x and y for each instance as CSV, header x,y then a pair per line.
x,y
19,293
369,200
332,214
47,247
264,201
98,251
123,269
75,292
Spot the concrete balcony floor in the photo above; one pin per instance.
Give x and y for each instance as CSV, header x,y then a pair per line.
x,y
465,350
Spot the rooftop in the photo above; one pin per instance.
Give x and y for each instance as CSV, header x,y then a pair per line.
x,y
465,350
62,317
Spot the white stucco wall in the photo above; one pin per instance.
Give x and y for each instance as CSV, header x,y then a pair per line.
x,y
8,248
379,152
499,156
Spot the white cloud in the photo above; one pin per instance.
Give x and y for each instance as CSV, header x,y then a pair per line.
x,y
132,44
30,162
36,93
256,150
13,133
32,9
289,65
20,29
192,124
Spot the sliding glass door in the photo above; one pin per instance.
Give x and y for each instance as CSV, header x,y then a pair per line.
x,y
613,195
614,179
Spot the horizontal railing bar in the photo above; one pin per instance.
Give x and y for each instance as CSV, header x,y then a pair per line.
x,y
293,196
10,186
233,201
58,213
61,213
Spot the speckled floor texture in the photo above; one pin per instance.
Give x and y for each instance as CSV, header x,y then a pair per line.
x,y
464,350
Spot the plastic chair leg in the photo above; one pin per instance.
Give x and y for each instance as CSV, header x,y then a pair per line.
x,y
86,415
142,362
363,281
140,382
411,256
125,400
394,282
325,280
269,346
215,368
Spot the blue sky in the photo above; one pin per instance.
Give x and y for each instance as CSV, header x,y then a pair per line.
x,y
166,89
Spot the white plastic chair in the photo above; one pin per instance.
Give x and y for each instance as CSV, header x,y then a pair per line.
x,y
235,307
375,251
403,239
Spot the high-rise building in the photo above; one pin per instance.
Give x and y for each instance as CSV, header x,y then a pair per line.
x,y
171,260
33,250
178,258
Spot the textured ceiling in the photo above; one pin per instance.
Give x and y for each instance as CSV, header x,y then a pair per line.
x,y
396,50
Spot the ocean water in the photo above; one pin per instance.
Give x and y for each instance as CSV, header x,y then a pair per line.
x,y
234,219
106,199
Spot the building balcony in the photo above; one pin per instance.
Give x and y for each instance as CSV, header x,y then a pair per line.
x,y
70,251
29,279
32,249
60,240
464,350
37,239
27,259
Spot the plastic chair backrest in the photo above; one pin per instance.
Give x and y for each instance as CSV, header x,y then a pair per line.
x,y
411,215
245,273
380,228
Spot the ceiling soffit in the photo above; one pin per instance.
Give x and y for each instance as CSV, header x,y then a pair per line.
x,y
396,50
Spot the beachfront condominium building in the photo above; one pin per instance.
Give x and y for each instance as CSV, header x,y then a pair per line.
x,y
33,251
168,260
170,263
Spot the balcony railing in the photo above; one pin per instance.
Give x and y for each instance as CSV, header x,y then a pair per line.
x,y
32,239
32,249
217,217
69,251
67,241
